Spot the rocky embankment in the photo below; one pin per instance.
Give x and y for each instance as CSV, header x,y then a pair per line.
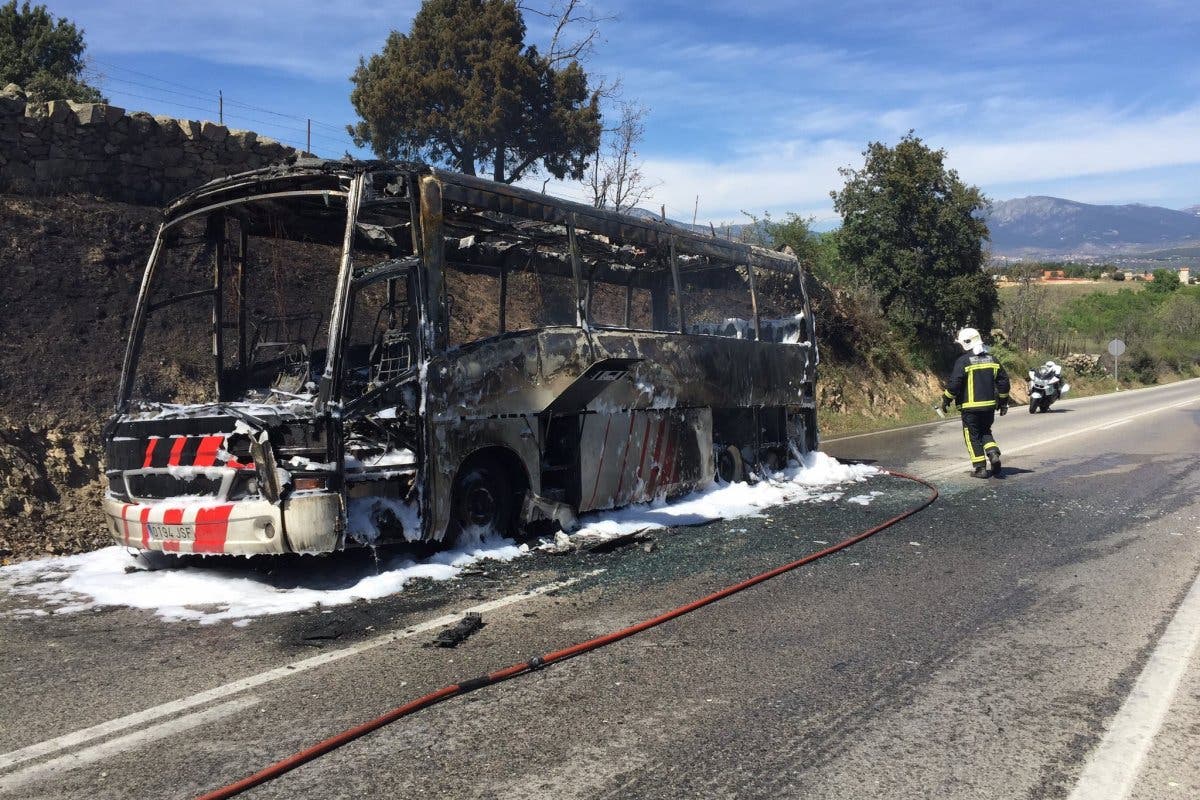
x,y
60,147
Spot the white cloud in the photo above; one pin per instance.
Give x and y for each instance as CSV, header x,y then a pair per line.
x,y
1095,151
1082,146
311,38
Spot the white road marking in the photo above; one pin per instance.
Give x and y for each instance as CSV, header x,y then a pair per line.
x,y
1113,769
886,430
937,473
123,744
1067,404
76,738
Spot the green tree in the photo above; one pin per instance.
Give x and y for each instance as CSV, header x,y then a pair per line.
x,y
1164,281
463,89
1179,314
792,231
915,232
42,55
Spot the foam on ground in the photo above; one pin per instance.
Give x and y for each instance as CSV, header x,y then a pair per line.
x,y
225,591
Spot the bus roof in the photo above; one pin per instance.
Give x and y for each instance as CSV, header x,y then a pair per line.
x,y
327,175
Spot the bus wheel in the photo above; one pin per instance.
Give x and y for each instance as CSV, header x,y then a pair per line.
x,y
731,467
482,499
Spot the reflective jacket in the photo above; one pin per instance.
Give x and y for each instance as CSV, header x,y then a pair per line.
x,y
977,381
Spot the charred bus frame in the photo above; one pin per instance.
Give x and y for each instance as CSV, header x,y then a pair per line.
x,y
671,358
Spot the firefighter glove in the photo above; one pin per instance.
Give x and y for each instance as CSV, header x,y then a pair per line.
x,y
945,404
1003,409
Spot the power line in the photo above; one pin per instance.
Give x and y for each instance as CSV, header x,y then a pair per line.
x,y
151,77
189,95
200,94
175,104
245,118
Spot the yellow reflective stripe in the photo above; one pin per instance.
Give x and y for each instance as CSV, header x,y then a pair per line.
x,y
946,393
970,377
990,445
971,450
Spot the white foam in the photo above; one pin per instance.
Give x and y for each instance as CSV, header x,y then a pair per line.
x,y
215,591
210,594
809,481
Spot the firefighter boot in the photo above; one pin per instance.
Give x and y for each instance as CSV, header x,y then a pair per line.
x,y
980,471
993,456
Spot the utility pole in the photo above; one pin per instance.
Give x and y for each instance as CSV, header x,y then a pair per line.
x,y
220,107
695,210
308,142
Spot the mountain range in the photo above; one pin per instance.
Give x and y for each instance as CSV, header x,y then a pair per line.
x,y
1054,227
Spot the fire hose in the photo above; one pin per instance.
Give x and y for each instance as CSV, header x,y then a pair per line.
x,y
538,662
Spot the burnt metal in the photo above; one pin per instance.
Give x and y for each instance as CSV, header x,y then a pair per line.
x,y
672,347
460,631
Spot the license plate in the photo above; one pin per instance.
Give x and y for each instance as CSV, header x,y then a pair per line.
x,y
182,533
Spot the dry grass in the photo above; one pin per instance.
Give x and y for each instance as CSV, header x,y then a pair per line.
x,y
1059,294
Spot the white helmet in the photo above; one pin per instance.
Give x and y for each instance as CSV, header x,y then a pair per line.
x,y
970,340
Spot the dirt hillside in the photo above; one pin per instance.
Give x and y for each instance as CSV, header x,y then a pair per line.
x,y
71,267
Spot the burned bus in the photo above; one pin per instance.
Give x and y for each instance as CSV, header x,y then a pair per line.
x,y
329,353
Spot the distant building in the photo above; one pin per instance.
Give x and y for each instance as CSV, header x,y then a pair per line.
x,y
1185,275
1054,275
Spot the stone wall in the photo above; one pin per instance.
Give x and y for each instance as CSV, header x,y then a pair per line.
x,y
63,147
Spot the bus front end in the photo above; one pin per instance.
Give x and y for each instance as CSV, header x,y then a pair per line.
x,y
268,307
205,481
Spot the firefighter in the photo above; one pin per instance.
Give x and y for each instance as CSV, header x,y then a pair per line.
x,y
980,386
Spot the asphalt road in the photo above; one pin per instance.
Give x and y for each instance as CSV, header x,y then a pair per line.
x,y
1026,637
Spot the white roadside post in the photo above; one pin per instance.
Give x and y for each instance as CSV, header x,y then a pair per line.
x,y
1115,348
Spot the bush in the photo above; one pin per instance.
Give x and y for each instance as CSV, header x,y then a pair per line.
x,y
1141,364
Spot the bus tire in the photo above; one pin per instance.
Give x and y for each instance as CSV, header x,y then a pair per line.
x,y
731,467
482,498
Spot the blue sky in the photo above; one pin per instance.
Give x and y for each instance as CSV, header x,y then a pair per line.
x,y
754,104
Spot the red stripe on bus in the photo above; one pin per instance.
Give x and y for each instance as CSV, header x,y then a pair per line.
x,y
625,457
212,528
600,466
656,465
149,453
125,521
176,451
206,454
145,520
172,516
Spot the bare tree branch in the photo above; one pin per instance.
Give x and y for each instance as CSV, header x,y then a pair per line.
x,y
576,27
615,178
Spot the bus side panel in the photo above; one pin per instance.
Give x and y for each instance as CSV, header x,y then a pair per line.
x,y
706,371
636,456
524,372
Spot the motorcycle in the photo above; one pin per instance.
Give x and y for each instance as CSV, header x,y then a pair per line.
x,y
1045,387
